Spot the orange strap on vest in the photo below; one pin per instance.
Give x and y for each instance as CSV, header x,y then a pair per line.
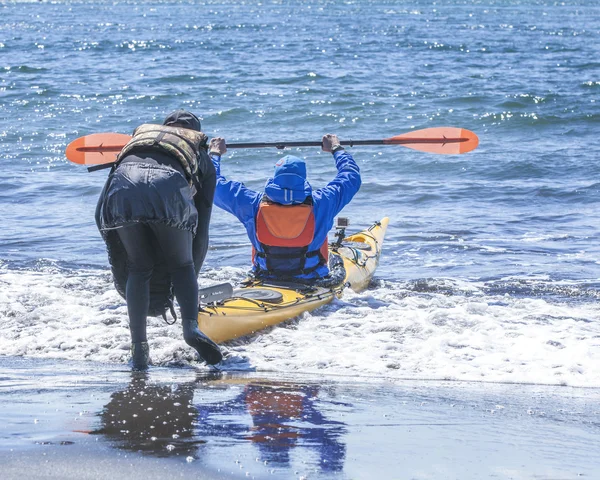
x,y
285,225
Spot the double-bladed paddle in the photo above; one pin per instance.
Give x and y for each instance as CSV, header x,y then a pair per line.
x,y
103,148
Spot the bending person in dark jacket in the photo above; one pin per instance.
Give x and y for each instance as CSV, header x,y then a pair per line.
x,y
288,223
153,214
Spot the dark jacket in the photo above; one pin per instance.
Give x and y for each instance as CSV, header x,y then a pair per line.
x,y
151,187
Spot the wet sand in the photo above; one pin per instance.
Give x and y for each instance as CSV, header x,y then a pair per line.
x,y
65,420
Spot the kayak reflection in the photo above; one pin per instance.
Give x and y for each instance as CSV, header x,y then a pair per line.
x,y
177,419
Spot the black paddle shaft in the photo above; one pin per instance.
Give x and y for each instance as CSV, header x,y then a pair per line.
x,y
352,143
282,145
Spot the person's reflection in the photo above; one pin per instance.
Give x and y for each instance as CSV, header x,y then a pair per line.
x,y
284,415
156,419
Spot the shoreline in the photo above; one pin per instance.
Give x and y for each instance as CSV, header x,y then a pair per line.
x,y
65,419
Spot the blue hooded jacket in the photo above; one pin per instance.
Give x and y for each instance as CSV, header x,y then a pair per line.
x,y
288,186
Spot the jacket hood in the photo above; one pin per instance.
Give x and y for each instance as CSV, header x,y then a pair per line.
x,y
288,185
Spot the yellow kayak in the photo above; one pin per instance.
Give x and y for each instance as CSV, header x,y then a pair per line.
x,y
261,304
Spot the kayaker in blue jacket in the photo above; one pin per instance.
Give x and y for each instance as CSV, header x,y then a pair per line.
x,y
288,223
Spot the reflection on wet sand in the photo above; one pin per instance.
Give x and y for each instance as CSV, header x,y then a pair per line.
x,y
276,417
283,416
154,419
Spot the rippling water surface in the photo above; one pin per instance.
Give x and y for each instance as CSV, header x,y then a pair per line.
x,y
490,269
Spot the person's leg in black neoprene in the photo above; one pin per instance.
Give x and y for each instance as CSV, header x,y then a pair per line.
x,y
176,246
140,263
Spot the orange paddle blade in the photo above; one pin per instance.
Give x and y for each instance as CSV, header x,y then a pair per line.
x,y
97,148
444,140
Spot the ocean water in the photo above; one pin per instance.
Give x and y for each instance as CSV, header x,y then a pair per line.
x,y
491,265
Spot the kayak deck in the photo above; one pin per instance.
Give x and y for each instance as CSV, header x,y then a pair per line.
x,y
261,304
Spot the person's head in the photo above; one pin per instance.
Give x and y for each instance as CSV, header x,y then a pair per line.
x,y
288,185
184,119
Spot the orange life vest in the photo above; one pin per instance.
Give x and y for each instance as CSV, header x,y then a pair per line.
x,y
284,233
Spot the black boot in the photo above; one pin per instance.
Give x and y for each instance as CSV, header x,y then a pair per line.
x,y
140,355
208,350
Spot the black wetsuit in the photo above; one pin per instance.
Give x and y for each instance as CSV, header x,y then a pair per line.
x,y
155,226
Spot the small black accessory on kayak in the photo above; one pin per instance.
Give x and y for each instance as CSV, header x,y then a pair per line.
x,y
341,223
215,293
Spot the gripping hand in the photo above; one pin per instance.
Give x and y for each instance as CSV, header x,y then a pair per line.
x,y
331,143
217,146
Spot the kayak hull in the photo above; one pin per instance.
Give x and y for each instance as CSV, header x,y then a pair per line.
x,y
262,304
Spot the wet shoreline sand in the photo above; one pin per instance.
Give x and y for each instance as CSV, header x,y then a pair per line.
x,y
88,420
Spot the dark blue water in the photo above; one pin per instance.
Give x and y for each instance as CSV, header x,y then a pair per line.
x,y
493,255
